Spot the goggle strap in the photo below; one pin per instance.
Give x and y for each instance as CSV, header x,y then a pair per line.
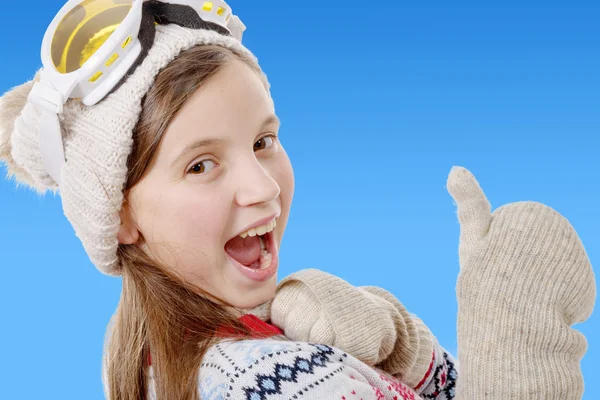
x,y
46,97
50,102
182,15
51,145
236,27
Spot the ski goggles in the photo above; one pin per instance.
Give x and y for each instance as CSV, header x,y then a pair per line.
x,y
91,46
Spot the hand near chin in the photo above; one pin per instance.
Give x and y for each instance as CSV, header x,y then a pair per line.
x,y
317,307
366,322
297,311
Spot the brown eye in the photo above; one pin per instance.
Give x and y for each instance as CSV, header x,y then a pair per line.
x,y
199,168
261,143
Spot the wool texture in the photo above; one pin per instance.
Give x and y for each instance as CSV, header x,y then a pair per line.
x,y
525,279
97,142
367,322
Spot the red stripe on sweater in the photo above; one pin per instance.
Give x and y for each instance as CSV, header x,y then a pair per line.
x,y
429,371
259,328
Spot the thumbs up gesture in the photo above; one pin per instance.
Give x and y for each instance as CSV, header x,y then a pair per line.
x,y
524,279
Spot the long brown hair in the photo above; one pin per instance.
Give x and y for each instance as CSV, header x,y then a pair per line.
x,y
160,313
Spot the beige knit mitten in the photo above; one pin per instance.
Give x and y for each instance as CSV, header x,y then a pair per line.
x,y
524,280
367,322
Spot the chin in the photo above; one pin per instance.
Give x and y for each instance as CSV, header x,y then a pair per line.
x,y
256,297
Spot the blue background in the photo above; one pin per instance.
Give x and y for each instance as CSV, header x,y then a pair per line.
x,y
378,101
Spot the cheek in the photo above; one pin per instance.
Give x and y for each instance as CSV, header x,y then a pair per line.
x,y
184,218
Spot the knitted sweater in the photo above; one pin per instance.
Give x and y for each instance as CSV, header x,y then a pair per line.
x,y
274,368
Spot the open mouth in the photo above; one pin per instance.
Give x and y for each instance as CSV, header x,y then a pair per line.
x,y
256,257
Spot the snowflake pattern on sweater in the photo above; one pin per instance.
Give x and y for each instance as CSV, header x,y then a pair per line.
x,y
271,369
261,368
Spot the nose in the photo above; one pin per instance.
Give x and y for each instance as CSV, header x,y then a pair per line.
x,y
255,184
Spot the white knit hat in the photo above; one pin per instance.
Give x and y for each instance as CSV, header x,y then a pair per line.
x,y
97,142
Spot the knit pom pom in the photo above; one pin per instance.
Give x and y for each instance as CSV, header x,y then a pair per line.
x,y
12,105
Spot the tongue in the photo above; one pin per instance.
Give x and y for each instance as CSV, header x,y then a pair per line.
x,y
244,250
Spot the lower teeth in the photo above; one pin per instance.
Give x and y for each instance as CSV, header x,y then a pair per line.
x,y
265,259
265,256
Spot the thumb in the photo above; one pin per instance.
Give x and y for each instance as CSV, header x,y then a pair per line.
x,y
295,310
473,208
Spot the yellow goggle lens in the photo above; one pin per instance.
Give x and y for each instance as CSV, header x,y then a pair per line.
x,y
84,29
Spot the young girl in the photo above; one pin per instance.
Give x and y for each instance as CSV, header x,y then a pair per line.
x,y
158,128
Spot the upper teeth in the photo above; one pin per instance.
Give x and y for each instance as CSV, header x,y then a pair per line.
x,y
260,230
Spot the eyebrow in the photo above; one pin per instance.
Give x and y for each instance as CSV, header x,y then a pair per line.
x,y
270,120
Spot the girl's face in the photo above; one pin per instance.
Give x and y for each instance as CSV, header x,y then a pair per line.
x,y
219,170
